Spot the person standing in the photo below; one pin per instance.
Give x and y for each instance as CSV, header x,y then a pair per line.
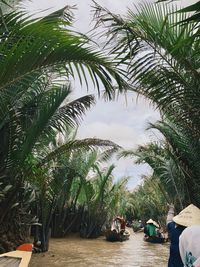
x,y
176,226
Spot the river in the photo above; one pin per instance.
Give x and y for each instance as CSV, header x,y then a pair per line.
x,y
73,251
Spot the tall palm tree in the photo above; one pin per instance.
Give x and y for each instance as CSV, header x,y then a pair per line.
x,y
34,55
162,60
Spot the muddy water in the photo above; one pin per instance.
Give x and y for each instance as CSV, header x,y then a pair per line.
x,y
73,251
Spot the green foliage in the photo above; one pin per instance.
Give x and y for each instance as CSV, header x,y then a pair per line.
x,y
162,62
103,199
190,8
38,58
149,202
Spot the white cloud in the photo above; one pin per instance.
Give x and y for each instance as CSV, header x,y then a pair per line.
x,y
124,125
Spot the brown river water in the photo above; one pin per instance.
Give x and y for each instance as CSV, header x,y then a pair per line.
x,y
73,251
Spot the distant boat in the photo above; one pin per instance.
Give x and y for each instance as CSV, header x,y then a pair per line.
x,y
113,235
154,239
18,258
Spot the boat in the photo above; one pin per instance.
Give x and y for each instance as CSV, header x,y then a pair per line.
x,y
155,239
140,230
18,258
113,235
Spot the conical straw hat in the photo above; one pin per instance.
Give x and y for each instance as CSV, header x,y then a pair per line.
x,y
156,224
150,221
153,222
188,216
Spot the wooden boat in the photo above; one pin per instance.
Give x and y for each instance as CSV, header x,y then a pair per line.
x,y
154,239
140,230
19,258
113,235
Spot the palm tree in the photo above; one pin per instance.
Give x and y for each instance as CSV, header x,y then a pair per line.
x,y
166,170
55,200
103,199
160,65
73,171
162,60
148,201
33,105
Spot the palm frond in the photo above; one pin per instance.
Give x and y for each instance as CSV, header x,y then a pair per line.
x,y
49,45
89,143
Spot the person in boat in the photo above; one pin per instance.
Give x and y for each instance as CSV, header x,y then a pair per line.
x,y
129,223
175,226
159,233
119,224
189,246
141,225
37,248
122,224
150,228
115,227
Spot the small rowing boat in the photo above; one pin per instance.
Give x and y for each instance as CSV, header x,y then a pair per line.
x,y
18,258
154,239
112,235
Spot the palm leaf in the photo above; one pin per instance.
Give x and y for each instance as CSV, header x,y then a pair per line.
x,y
89,143
49,46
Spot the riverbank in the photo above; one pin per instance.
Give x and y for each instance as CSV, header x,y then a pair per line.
x,y
74,251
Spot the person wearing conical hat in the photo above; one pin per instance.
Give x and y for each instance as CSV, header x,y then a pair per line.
x,y
156,224
176,225
188,216
150,228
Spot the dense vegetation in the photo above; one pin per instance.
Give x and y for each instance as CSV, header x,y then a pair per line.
x,y
40,155
159,47
57,183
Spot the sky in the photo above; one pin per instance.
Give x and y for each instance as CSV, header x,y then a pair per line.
x,y
123,121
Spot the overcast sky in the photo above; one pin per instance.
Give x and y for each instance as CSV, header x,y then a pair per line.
x,y
122,121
